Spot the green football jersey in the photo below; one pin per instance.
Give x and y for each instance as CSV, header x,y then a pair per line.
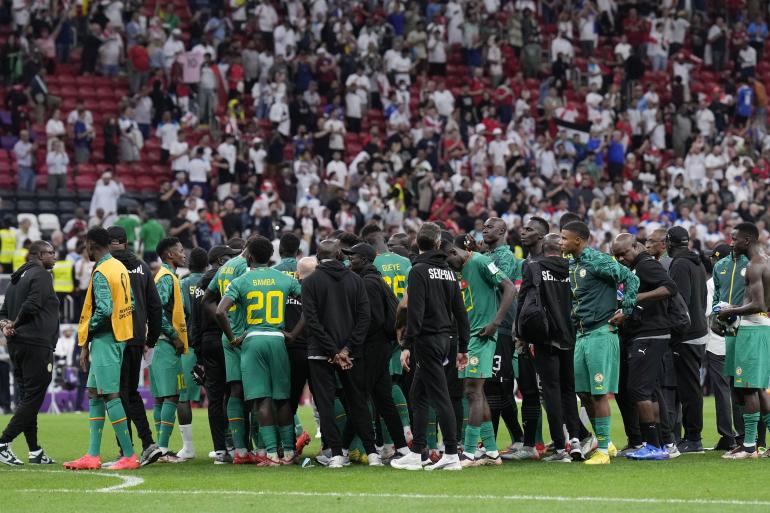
x,y
395,271
261,293
231,270
287,266
479,281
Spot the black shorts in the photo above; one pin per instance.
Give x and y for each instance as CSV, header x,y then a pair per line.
x,y
645,367
668,372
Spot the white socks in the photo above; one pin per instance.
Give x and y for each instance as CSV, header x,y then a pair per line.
x,y
187,437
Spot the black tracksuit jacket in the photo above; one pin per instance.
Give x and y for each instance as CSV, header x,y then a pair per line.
x,y
31,301
147,307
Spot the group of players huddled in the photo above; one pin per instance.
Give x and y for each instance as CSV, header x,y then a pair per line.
x,y
358,321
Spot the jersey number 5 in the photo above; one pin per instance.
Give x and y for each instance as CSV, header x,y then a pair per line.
x,y
269,305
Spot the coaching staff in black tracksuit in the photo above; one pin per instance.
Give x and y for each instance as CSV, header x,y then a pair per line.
x,y
646,335
377,349
210,369
552,351
336,311
689,348
29,319
147,312
435,301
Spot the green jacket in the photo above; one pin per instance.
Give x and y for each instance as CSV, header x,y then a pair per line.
x,y
730,280
507,262
166,292
594,279
101,318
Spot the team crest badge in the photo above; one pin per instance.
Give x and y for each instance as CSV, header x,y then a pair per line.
x,y
598,377
474,360
582,273
743,272
738,371
50,367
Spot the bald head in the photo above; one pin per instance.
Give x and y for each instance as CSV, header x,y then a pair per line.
x,y
552,245
306,266
328,249
625,249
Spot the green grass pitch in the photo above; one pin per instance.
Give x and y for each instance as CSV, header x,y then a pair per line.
x,y
702,483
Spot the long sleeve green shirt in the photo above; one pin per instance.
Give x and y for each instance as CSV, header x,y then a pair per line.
x,y
730,280
101,317
594,278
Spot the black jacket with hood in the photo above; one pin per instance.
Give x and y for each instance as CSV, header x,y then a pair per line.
x,y
382,306
688,273
31,301
147,307
650,318
555,296
435,301
336,309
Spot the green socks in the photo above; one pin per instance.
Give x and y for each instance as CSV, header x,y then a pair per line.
x,y
254,431
400,401
471,438
386,438
297,427
431,437
766,418
466,409
167,419
96,423
235,419
487,432
602,430
156,415
287,437
120,425
271,441
750,421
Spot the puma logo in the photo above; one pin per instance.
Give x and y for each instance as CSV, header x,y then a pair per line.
x,y
643,351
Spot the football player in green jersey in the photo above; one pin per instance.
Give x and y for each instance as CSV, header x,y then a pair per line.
x,y
480,280
261,294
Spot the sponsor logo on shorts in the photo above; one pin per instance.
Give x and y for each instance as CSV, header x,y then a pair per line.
x,y
474,360
738,371
50,367
598,377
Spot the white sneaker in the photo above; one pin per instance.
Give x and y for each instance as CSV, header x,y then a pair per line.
x,y
336,462
480,451
186,454
387,452
213,454
318,433
526,453
673,451
324,457
447,462
7,457
411,461
588,445
512,449
374,460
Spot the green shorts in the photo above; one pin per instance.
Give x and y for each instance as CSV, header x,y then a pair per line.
x,y
265,367
192,390
597,361
752,357
106,361
232,361
481,357
166,377
729,369
395,361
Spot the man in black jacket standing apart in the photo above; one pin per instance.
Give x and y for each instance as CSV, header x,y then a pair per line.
x,y
377,349
646,335
336,311
147,309
435,301
689,348
29,319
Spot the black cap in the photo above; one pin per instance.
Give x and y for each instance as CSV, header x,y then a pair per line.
x,y
219,251
117,234
721,251
363,249
678,236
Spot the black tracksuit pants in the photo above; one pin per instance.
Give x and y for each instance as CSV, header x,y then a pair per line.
x,y
212,357
556,368
32,366
626,405
300,375
720,387
130,397
379,389
434,359
530,398
688,359
353,398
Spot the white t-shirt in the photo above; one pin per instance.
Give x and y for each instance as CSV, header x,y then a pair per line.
x,y
445,102
167,132
199,170
257,159
498,152
624,50
54,128
229,153
179,148
279,113
748,57
267,17
704,120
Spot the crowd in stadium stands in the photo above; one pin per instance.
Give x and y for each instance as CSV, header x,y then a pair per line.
x,y
207,119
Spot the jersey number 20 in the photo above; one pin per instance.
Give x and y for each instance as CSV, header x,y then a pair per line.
x,y
270,305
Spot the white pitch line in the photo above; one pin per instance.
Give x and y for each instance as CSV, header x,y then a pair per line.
x,y
363,495
127,480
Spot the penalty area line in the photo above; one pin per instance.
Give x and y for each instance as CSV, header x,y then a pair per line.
x,y
123,489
